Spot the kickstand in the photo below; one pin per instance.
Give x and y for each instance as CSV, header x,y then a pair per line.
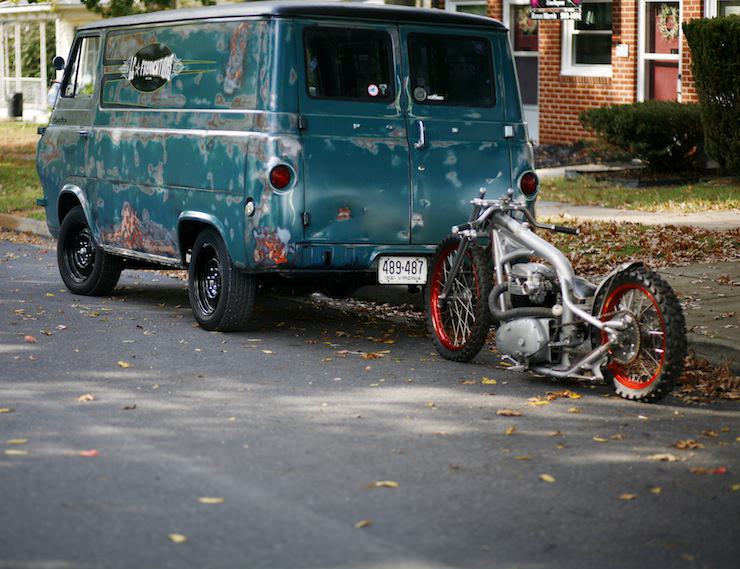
x,y
515,365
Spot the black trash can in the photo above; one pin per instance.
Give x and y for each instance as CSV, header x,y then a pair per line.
x,y
15,106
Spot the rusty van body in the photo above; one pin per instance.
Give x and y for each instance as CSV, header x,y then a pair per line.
x,y
265,140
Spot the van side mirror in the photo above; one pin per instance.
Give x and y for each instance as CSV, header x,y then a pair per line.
x,y
58,63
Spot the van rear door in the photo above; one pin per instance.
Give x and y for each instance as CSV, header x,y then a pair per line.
x,y
355,149
455,125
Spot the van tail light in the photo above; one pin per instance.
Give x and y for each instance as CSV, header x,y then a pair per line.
x,y
529,184
280,176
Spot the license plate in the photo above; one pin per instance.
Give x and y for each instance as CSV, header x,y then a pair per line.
x,y
402,270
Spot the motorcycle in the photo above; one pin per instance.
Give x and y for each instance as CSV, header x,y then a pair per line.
x,y
628,331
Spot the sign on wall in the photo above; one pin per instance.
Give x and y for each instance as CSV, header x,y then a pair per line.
x,y
555,9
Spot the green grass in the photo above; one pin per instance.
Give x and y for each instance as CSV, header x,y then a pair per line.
x,y
19,183
716,194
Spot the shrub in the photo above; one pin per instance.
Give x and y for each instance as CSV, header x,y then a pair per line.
x,y
665,134
715,63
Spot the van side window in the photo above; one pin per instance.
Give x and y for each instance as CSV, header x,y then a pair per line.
x,y
451,70
80,79
349,64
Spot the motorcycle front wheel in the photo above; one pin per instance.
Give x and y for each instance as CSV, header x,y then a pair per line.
x,y
649,358
459,324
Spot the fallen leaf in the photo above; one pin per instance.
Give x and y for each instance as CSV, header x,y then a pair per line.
x,y
129,407
686,444
617,437
663,457
509,413
383,484
467,382
566,393
89,453
30,339
600,440
176,537
267,351
700,470
488,381
547,478
210,500
16,452
363,524
627,496
555,434
86,397
17,441
538,402
526,457
574,410
709,433
6,410
735,487
656,489
123,364
510,430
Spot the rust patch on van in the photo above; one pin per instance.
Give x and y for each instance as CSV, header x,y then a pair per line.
x,y
141,234
272,245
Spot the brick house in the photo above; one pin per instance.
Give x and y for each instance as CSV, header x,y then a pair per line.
x,y
622,51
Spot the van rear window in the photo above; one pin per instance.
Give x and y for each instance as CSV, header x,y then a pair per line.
x,y
349,64
451,70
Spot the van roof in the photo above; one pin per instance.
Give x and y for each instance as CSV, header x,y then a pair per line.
x,y
342,10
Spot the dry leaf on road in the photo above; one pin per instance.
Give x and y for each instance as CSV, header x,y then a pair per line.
x,y
30,339
663,457
627,496
176,537
510,430
547,478
383,484
210,500
86,398
363,524
123,364
509,413
686,444
600,440
16,452
488,381
17,441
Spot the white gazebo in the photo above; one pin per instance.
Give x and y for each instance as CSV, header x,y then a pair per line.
x,y
67,16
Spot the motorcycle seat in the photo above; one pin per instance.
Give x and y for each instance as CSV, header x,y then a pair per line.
x,y
583,289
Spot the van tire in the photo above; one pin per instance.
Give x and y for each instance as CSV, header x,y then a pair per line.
x,y
84,267
221,296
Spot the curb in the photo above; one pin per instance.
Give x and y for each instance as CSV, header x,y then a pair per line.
x,y
24,225
715,352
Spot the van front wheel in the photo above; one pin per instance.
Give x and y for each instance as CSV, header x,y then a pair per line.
x,y
222,297
84,267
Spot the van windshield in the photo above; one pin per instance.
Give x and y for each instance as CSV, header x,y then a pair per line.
x,y
451,70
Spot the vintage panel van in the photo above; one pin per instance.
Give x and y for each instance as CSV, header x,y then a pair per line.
x,y
249,142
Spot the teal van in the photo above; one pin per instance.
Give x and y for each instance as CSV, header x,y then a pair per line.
x,y
332,143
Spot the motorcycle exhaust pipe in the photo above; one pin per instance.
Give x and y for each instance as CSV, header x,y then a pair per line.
x,y
513,313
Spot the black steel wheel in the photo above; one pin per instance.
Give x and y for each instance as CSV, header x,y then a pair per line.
x,y
84,267
221,296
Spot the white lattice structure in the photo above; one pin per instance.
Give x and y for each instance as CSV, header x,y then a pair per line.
x,y
67,15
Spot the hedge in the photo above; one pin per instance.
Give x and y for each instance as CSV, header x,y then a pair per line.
x,y
715,64
665,134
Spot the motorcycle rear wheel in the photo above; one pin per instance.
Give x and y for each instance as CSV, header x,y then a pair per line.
x,y
650,358
459,325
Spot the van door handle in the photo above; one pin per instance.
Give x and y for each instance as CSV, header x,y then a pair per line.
x,y
422,138
84,133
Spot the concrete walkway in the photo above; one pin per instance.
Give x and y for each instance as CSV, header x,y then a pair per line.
x,y
712,220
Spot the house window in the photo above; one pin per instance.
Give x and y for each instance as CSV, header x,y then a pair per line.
x,y
477,7
587,44
721,8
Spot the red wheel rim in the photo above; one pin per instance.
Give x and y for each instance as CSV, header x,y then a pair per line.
x,y
453,325
645,368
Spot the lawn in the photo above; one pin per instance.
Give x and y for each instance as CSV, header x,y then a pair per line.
x,y
19,183
715,194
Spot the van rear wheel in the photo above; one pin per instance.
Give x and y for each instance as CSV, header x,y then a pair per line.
x,y
222,297
84,267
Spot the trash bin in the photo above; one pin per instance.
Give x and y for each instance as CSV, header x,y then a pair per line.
x,y
15,106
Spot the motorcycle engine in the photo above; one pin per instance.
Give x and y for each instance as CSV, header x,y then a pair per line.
x,y
525,339
533,281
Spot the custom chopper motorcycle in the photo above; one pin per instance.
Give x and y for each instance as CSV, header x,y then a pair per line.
x,y
628,331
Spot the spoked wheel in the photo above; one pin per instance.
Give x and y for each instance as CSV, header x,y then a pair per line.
x,y
85,268
221,296
649,357
459,324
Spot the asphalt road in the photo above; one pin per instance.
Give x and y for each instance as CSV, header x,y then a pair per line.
x,y
292,428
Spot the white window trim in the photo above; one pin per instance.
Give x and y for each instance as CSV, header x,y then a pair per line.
x,y
452,5
567,67
643,57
